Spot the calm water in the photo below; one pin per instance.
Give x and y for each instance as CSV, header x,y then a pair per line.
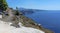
x,y
48,19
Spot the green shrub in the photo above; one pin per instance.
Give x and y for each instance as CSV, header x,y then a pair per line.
x,y
3,5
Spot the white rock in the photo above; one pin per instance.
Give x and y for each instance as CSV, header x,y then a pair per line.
x,y
6,28
0,16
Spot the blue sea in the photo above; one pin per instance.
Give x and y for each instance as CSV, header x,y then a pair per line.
x,y
48,19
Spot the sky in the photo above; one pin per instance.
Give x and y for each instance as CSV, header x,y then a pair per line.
x,y
35,4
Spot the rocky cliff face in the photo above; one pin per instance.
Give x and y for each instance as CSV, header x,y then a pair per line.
x,y
15,19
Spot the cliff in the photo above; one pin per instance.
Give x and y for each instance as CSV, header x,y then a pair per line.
x,y
10,16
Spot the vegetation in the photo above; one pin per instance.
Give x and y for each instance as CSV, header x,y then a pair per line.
x,y
3,5
16,12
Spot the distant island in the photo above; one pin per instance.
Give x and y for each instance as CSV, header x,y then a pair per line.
x,y
28,11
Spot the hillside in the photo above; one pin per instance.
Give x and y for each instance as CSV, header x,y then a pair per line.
x,y
20,23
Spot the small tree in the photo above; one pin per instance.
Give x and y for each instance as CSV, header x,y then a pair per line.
x,y
16,12
3,5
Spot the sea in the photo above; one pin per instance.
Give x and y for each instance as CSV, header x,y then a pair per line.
x,y
48,19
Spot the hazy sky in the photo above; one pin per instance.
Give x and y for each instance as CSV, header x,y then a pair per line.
x,y
35,4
